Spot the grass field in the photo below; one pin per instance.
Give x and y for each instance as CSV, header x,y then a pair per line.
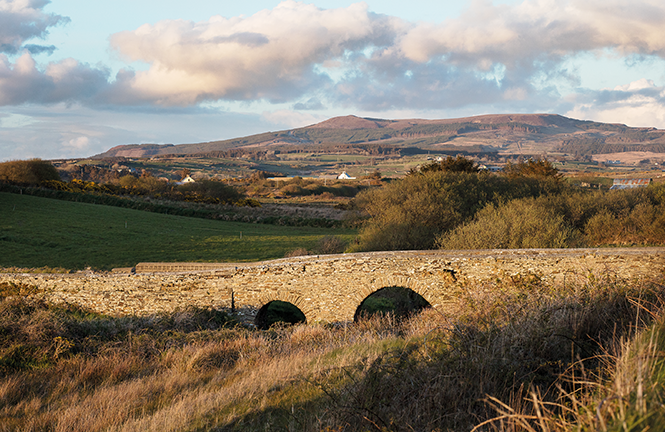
x,y
37,232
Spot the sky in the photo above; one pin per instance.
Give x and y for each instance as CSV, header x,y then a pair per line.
x,y
79,77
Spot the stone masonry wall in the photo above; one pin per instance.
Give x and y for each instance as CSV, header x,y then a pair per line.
x,y
328,288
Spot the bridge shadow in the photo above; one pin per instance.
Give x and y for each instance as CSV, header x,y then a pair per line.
x,y
271,313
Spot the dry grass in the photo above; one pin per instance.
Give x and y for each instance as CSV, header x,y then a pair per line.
x,y
512,355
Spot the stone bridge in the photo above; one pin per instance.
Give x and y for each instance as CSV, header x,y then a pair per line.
x,y
327,288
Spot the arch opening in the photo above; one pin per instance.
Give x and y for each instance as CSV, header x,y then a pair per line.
x,y
399,301
278,311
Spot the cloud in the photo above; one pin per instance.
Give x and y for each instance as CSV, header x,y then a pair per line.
x,y
68,80
78,143
503,57
38,49
516,35
311,104
639,103
362,59
271,55
21,20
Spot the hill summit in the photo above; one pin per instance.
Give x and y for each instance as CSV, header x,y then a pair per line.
x,y
526,134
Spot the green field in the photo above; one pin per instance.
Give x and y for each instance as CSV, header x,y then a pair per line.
x,y
38,232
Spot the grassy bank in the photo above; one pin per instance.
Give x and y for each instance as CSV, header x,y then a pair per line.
x,y
37,232
515,354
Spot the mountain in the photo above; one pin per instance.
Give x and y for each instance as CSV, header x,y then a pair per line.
x,y
531,134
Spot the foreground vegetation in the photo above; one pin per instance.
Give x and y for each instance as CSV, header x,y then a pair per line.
x,y
37,232
514,354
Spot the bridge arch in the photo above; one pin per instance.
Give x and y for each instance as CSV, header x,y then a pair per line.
x,y
422,290
278,311
399,301
294,299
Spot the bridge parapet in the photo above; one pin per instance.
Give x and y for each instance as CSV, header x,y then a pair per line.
x,y
328,288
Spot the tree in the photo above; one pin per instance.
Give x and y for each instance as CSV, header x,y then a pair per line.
x,y
541,168
449,164
184,173
410,213
28,172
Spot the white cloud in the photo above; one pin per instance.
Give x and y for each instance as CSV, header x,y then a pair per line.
x,y
21,20
357,58
498,57
270,55
639,103
78,143
512,35
67,80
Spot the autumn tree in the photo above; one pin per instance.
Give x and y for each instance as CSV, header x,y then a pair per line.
x,y
28,172
457,164
541,168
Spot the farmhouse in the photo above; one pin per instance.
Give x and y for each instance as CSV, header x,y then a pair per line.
x,y
186,180
345,176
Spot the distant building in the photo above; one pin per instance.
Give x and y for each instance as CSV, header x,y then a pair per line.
x,y
629,183
186,180
345,176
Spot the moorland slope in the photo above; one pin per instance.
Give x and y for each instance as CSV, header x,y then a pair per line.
x,y
527,134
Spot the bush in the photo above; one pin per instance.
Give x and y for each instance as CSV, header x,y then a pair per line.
x,y
449,164
532,168
330,245
411,213
28,172
643,224
296,253
524,223
210,189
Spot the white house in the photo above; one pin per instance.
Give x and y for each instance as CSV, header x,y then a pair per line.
x,y
186,180
345,176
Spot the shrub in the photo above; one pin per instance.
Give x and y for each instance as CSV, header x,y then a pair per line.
x,y
643,224
411,213
28,172
449,164
296,253
524,223
330,245
532,168
408,214
295,190
211,189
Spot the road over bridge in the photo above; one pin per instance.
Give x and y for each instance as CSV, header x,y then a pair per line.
x,y
329,288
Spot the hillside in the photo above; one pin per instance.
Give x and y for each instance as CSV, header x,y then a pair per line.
x,y
529,134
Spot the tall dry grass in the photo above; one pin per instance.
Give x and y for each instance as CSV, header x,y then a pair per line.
x,y
514,354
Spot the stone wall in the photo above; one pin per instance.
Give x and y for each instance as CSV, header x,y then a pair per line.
x,y
328,288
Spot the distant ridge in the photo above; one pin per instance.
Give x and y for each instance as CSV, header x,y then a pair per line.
x,y
354,122
504,133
